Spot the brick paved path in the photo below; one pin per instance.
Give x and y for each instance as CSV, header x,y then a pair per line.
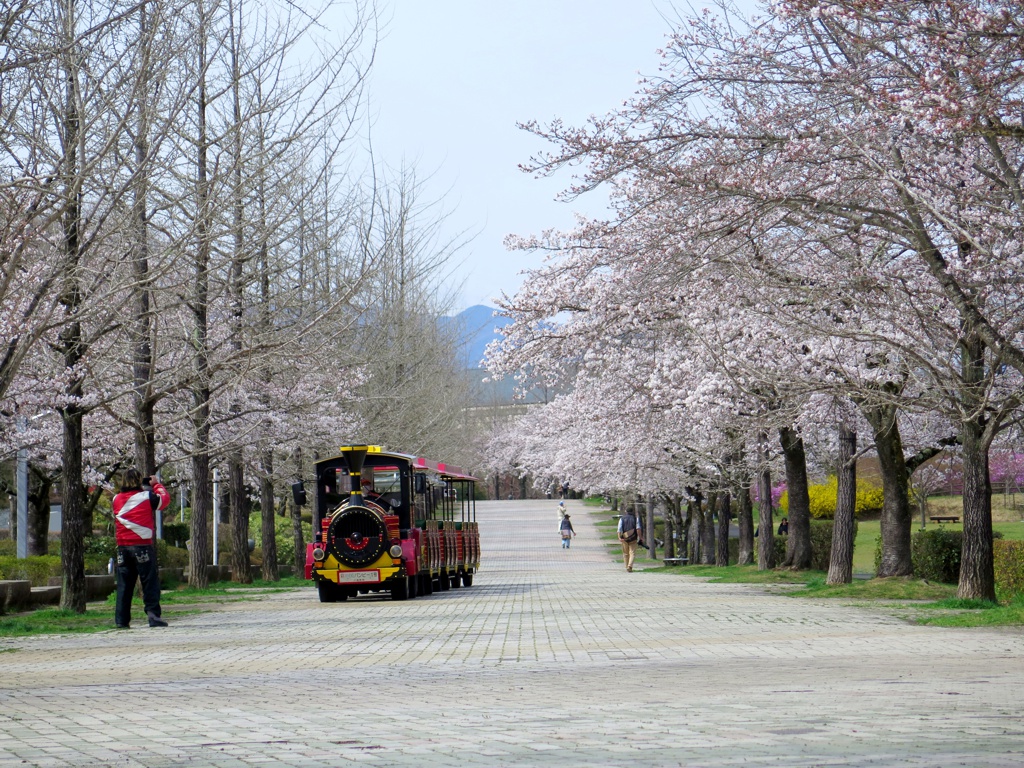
x,y
553,658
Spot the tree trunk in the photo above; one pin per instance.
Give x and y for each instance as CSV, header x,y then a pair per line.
x,y
72,529
199,530
670,527
299,554
977,578
652,545
199,553
897,516
840,567
72,344
724,515
241,568
142,327
798,542
745,523
269,536
686,525
38,512
697,528
707,543
765,532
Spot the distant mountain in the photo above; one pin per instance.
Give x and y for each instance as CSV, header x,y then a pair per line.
x,y
477,327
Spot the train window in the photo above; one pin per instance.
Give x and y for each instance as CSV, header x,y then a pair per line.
x,y
387,480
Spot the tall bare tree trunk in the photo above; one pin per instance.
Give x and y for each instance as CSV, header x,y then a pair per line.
x,y
798,542
267,502
268,543
840,568
142,327
72,345
241,568
299,554
198,529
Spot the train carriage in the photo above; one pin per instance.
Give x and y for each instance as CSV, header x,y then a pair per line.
x,y
390,522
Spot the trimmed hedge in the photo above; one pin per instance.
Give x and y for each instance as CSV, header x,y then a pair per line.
x,y
283,533
176,534
171,557
1009,567
935,554
38,569
821,544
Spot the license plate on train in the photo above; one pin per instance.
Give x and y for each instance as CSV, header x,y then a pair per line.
x,y
358,577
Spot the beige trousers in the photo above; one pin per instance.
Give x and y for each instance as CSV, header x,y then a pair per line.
x,y
628,552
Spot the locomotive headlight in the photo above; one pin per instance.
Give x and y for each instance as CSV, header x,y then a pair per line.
x,y
396,550
318,553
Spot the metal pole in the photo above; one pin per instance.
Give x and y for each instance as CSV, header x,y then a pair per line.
x,y
159,516
216,513
21,547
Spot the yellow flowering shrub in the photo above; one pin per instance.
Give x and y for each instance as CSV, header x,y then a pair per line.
x,y
823,499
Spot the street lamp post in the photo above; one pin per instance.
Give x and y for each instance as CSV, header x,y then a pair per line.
x,y
21,548
216,513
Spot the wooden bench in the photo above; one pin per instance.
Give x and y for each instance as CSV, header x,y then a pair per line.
x,y
676,560
944,519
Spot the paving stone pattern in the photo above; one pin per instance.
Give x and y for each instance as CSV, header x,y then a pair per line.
x,y
553,658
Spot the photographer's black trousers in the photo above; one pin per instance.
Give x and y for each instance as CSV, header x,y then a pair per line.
x,y
133,563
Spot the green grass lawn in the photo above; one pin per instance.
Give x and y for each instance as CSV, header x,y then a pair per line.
x,y
99,616
869,531
922,602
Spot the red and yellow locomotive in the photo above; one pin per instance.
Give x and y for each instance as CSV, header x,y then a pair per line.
x,y
390,522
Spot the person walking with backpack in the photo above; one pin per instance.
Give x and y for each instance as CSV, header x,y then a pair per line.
x,y
566,530
629,537
135,509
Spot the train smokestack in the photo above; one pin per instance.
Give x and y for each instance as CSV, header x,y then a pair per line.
x,y
355,455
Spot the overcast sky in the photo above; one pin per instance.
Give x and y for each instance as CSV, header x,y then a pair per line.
x,y
452,78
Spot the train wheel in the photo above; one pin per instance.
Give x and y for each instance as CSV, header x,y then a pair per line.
x,y
400,589
467,579
456,580
426,584
330,593
414,586
443,582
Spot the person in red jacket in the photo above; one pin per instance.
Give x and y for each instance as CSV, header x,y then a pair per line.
x,y
134,516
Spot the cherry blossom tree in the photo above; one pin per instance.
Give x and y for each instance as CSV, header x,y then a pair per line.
x,y
783,155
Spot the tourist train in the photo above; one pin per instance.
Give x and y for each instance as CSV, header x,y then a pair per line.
x,y
390,522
